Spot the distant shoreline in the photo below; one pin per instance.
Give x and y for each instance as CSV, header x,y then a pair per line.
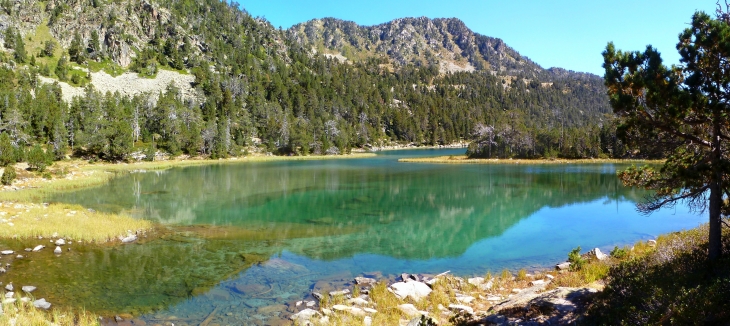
x,y
462,159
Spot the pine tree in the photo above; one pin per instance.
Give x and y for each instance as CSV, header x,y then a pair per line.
x,y
682,113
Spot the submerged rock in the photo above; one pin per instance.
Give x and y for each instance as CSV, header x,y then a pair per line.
x,y
365,281
60,242
57,251
28,288
38,248
7,252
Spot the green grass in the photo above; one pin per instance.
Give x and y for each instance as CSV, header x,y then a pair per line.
x,y
179,71
107,66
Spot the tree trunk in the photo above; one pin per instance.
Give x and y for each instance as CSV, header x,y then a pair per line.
x,y
715,241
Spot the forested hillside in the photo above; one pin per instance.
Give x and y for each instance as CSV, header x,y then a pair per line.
x,y
325,86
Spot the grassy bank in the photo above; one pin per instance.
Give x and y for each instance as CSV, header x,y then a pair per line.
x,y
463,159
66,221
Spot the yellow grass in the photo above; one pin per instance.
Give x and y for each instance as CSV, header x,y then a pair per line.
x,y
76,174
462,159
20,313
67,221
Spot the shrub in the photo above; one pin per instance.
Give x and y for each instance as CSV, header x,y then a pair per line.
x,y
8,176
37,159
576,261
619,253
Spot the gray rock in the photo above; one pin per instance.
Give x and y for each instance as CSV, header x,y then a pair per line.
x,y
369,310
562,266
464,298
60,242
28,288
365,281
341,292
57,251
19,257
304,315
28,249
358,302
317,295
415,290
9,294
38,248
461,308
7,252
405,277
415,322
476,281
130,238
9,287
42,304
596,254
2,270
537,282
409,309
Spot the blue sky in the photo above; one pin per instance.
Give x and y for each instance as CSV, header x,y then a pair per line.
x,y
557,33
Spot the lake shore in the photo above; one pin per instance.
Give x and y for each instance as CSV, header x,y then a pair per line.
x,y
71,175
463,159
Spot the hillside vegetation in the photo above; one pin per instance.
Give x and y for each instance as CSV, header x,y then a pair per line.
x,y
322,87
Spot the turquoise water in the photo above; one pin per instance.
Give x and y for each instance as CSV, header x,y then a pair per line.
x,y
273,232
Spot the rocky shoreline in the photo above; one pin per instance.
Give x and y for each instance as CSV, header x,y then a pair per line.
x,y
474,301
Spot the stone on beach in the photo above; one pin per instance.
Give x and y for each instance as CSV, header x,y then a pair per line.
x,y
42,304
562,266
415,290
409,309
461,308
304,315
596,254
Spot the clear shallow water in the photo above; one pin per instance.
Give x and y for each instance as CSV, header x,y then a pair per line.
x,y
273,232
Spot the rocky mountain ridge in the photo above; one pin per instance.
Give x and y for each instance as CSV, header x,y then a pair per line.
x,y
445,42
